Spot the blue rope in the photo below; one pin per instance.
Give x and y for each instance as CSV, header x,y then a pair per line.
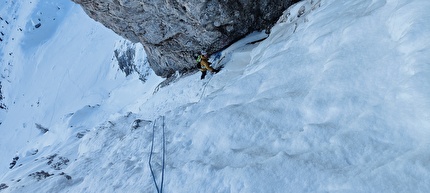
x,y
164,155
204,88
150,156
159,189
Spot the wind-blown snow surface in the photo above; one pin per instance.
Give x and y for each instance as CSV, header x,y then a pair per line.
x,y
336,100
56,76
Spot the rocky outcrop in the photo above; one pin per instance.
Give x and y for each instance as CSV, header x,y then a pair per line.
x,y
2,105
173,31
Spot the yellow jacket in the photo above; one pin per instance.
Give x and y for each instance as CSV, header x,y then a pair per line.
x,y
205,64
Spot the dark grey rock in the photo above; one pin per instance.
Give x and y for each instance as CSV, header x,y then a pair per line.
x,y
40,175
3,186
129,58
173,31
41,128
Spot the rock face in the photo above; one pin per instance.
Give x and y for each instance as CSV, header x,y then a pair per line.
x,y
173,31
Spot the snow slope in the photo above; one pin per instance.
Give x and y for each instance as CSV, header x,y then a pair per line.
x,y
52,71
336,99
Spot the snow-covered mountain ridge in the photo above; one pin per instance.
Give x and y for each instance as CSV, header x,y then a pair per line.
x,y
336,100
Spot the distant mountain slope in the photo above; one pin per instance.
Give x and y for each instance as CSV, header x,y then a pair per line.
x,y
336,99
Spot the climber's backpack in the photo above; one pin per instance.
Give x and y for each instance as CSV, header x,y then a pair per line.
x,y
199,58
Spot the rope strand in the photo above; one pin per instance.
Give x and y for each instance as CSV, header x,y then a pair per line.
x,y
164,155
204,88
159,188
150,156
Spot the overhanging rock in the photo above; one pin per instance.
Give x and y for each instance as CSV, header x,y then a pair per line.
x,y
173,31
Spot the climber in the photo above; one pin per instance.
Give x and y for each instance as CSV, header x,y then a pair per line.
x,y
205,64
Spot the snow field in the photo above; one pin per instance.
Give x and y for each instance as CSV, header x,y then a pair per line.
x,y
335,100
355,125
66,65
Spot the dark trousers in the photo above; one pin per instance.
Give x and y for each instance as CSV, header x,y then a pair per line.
x,y
203,74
